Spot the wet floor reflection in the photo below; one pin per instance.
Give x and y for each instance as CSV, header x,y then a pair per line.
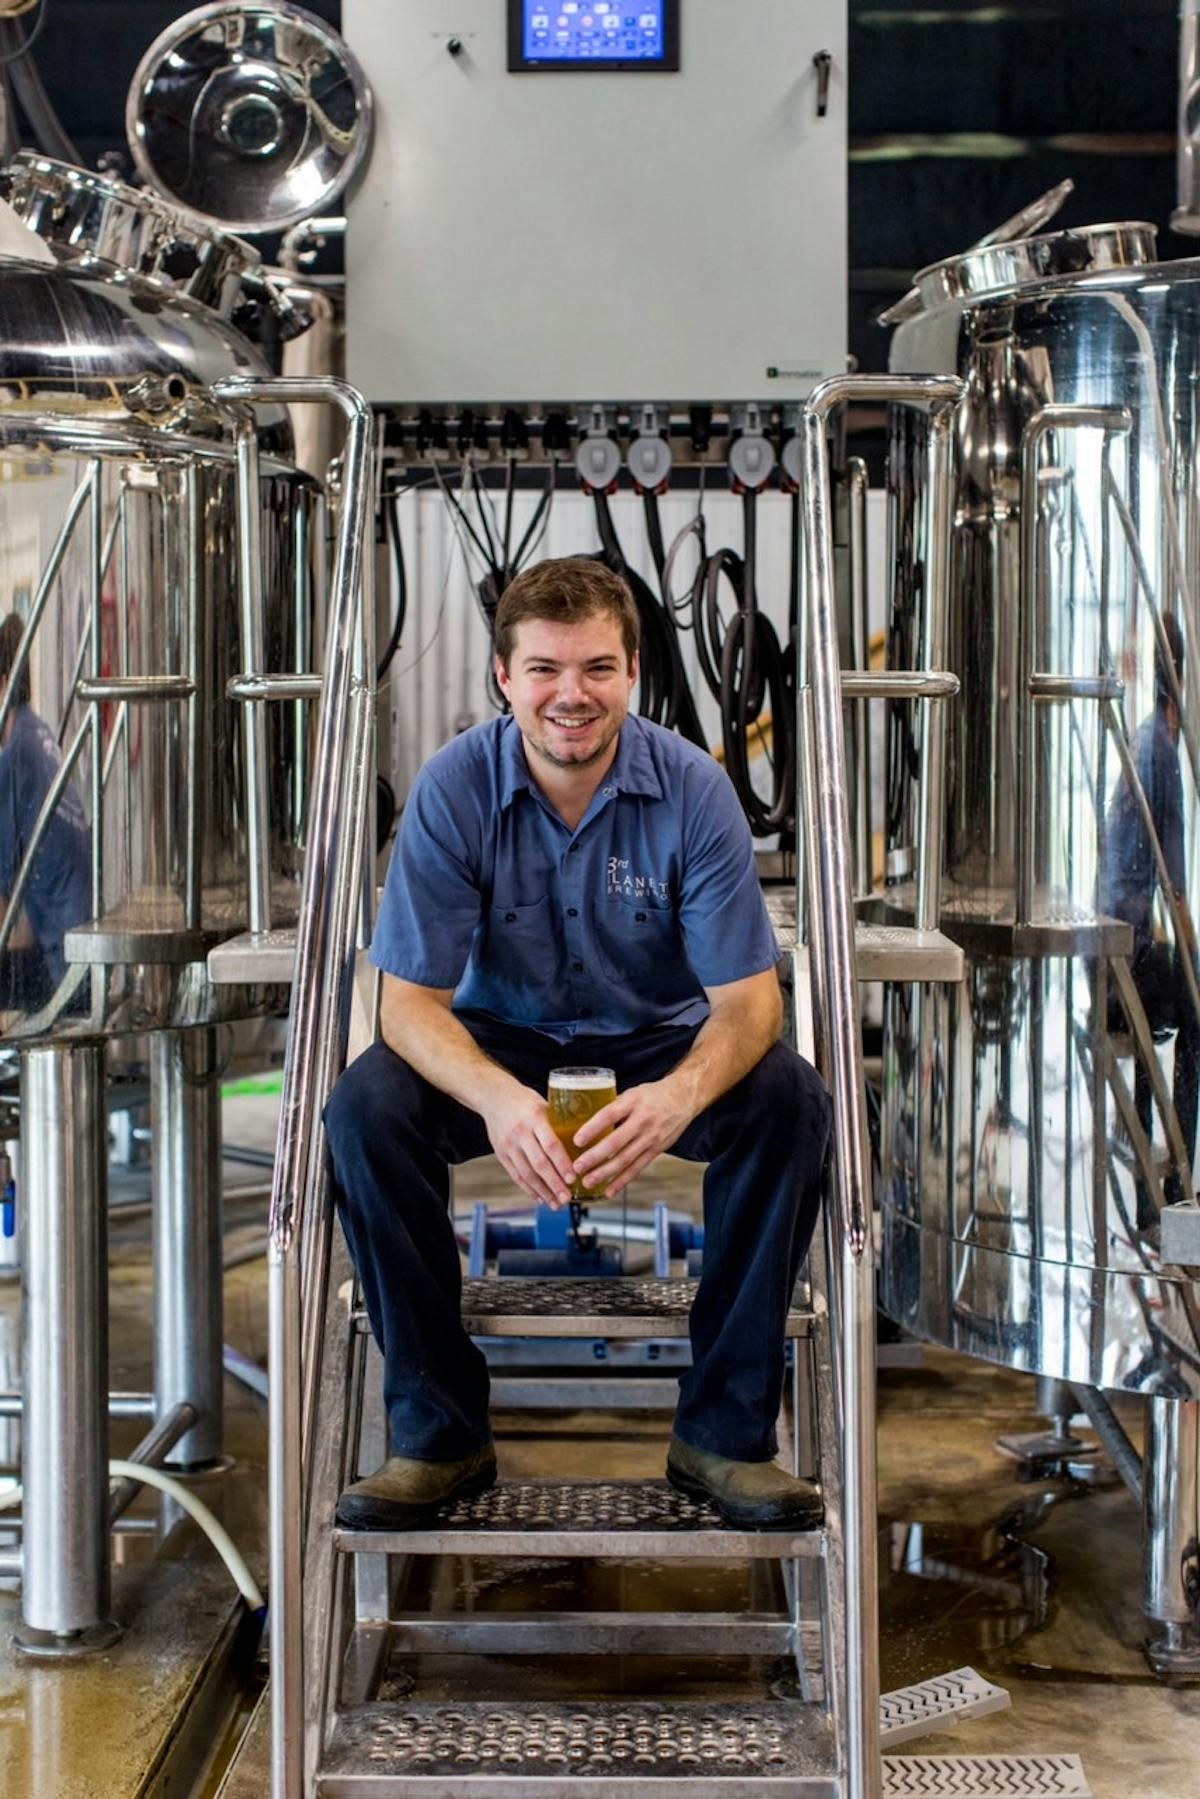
x,y
952,1593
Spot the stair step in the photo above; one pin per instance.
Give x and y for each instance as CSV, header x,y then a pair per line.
x,y
882,952
634,1751
901,953
621,1306
254,958
984,1777
584,1518
675,1634
636,1306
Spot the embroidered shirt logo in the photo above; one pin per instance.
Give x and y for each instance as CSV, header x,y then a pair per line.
x,y
623,883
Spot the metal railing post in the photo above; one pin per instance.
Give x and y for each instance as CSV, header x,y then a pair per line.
x,y
321,963
839,1049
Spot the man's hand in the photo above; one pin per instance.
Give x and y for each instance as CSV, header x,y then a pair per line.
x,y
518,1126
642,1123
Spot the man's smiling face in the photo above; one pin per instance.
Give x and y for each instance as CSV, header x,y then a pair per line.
x,y
569,688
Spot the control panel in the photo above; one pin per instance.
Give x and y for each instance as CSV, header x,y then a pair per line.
x,y
575,204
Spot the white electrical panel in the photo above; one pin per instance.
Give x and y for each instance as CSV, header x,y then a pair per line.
x,y
559,217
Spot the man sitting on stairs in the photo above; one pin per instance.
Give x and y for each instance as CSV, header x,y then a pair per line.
x,y
571,884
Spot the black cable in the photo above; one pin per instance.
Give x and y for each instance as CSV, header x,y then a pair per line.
x,y
707,623
539,513
747,671
393,529
509,478
665,694
654,538
12,30
681,712
460,513
492,553
753,673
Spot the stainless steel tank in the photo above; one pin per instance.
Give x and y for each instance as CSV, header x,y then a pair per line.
x,y
1039,1116
119,557
1019,1221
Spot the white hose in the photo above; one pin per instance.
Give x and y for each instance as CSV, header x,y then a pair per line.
x,y
196,1509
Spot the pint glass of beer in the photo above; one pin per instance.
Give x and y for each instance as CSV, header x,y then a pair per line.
x,y
575,1095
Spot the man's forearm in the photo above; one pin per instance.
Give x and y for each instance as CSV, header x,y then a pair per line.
x,y
417,1023
732,1040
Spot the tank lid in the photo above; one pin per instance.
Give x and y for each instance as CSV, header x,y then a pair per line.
x,y
1092,248
252,113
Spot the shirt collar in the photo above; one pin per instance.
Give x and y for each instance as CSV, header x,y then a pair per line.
x,y
632,772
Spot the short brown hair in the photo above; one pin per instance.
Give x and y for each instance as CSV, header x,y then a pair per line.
x,y
11,633
565,590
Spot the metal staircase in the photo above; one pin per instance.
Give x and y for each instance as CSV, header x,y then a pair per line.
x,y
340,1609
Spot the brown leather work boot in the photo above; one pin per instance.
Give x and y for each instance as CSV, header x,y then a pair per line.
x,y
756,1495
404,1494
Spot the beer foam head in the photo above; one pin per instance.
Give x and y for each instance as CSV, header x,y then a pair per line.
x,y
581,1080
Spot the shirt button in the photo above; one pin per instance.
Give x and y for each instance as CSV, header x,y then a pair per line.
x,y
608,792
639,917
578,967
510,918
572,911
574,847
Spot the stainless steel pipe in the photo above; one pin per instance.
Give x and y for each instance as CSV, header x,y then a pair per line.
x,y
120,1405
185,1094
1171,1497
65,1590
152,1452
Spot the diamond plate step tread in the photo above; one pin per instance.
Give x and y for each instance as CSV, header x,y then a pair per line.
x,y
514,1750
984,1777
585,1518
937,1704
882,952
623,1306
902,953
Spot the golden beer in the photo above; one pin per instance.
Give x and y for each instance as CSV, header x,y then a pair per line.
x,y
574,1096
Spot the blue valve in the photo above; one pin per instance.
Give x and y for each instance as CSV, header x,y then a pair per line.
x,y
8,1211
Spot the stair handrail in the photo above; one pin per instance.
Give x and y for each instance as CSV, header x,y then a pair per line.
x,y
322,974
829,882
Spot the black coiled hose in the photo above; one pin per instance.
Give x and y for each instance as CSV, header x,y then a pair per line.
x,y
666,696
748,674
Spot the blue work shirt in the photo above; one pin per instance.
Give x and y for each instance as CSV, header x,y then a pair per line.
x,y
1130,869
59,893
613,928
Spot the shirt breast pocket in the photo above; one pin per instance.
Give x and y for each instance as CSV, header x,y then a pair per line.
x,y
521,945
639,941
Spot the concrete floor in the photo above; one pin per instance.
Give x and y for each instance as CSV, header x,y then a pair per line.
x,y
1036,1586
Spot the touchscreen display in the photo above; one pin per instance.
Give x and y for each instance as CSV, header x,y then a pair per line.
x,y
626,34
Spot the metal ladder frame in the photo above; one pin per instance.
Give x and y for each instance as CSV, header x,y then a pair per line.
x,y
301,1215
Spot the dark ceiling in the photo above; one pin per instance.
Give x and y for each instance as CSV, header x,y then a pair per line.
x,y
961,111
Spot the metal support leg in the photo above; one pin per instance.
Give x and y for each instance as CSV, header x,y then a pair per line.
x,y
188,1314
65,1557
1171,1497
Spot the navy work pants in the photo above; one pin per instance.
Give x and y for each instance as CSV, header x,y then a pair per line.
x,y
392,1138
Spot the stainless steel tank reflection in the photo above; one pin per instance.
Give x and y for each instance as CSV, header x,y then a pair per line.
x,y
118,484
1078,528
1038,1116
154,544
